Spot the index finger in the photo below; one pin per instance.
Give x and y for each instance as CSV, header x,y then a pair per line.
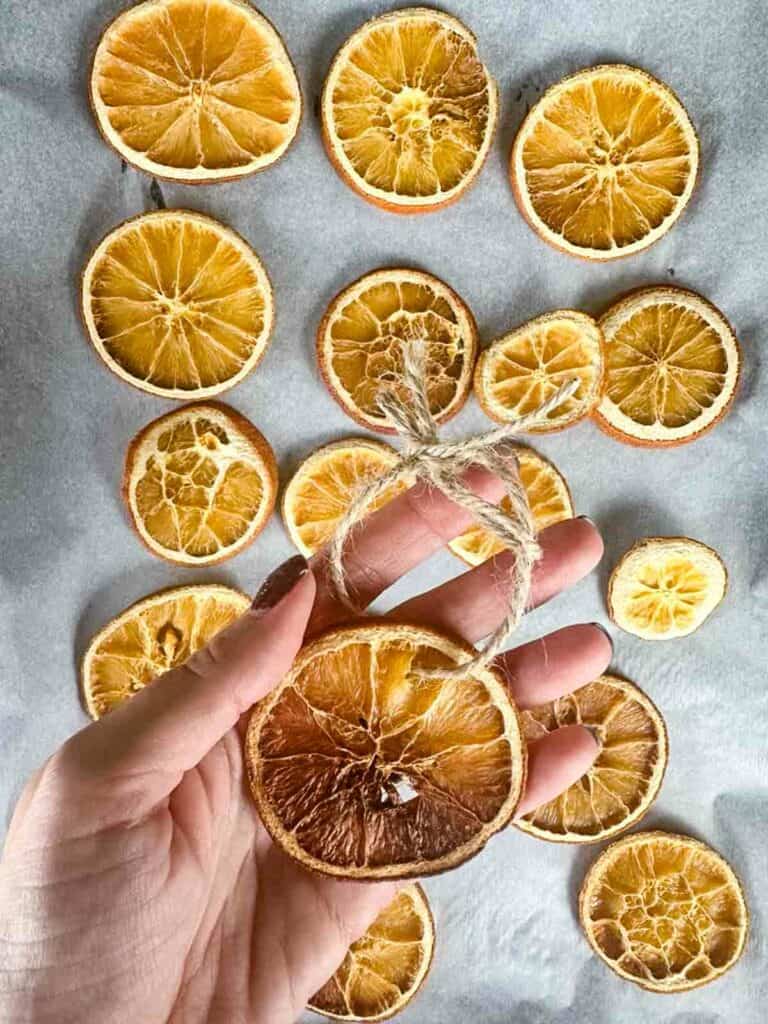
x,y
394,540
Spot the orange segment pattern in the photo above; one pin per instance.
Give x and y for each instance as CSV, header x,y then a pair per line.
x,y
196,85
665,911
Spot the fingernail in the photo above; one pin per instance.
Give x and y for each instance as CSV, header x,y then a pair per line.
x,y
279,583
604,631
587,519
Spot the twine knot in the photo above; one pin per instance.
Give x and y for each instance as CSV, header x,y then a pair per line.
x,y
442,464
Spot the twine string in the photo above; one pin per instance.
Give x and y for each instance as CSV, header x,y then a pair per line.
x,y
441,465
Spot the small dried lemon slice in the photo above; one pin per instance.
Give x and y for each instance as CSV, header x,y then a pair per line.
x,y
606,161
384,969
665,587
177,304
664,911
363,767
625,778
521,370
409,110
322,488
549,498
200,484
360,339
195,90
672,366
152,636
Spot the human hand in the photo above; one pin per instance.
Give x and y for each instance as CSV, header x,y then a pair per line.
x,y
137,882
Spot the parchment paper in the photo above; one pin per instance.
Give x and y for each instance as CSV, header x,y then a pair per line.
x,y
509,946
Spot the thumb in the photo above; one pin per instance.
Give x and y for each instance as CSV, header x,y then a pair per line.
x,y
169,726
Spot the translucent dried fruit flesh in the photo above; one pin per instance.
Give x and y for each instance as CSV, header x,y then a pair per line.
x,y
528,366
605,162
324,485
666,587
548,496
200,483
409,109
361,338
626,775
664,911
151,637
177,304
383,970
361,766
195,90
672,366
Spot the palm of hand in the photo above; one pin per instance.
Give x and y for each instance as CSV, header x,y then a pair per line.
x,y
189,914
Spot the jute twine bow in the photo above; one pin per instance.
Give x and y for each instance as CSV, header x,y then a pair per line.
x,y
441,464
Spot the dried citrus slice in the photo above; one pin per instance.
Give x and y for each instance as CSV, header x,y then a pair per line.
x,y
152,636
409,110
605,162
665,587
384,969
527,366
195,90
360,338
549,498
363,767
664,911
672,366
626,776
200,484
321,489
177,304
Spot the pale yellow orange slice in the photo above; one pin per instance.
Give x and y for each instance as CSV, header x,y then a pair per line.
x,y
200,484
152,636
409,110
625,778
665,587
606,161
195,90
384,969
664,911
672,367
523,369
362,766
361,336
548,495
322,488
177,304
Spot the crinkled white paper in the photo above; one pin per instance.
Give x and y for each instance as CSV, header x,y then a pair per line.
x,y
509,947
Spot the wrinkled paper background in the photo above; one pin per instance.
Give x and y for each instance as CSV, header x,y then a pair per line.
x,y
509,946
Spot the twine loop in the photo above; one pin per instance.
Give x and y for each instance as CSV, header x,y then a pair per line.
x,y
441,464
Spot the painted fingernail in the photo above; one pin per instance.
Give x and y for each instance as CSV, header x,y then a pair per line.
x,y
279,583
604,631
587,519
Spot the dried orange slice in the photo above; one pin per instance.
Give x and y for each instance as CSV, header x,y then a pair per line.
x,y
672,366
664,911
625,778
363,767
195,90
360,338
177,304
665,587
521,370
605,162
152,636
409,110
384,969
549,498
322,488
200,484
